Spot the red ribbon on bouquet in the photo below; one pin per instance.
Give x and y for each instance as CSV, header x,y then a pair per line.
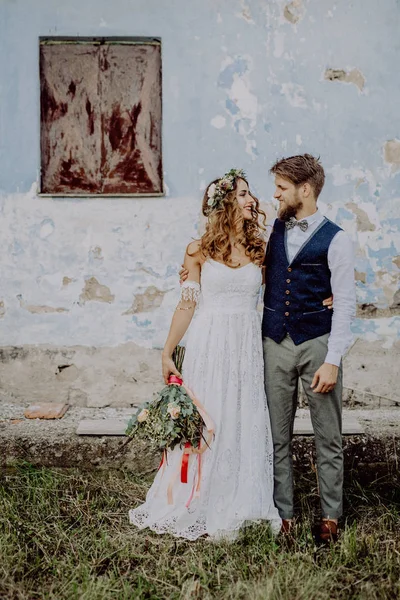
x,y
185,464
163,460
189,449
174,380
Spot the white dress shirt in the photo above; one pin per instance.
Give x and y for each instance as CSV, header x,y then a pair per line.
x,y
341,265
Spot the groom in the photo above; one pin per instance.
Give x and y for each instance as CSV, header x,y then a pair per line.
x,y
308,258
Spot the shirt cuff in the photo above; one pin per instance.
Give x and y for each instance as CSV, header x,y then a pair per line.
x,y
333,358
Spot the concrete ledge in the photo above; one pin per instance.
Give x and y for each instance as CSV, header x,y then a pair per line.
x,y
129,374
56,444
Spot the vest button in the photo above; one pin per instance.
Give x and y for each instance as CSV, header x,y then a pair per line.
x,y
288,280
290,269
286,314
287,292
287,303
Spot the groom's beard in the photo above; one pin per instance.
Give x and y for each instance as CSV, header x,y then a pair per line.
x,y
286,211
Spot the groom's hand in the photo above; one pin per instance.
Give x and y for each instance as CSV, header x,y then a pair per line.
x,y
325,379
183,274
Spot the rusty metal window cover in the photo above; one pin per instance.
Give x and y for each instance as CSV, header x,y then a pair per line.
x,y
100,116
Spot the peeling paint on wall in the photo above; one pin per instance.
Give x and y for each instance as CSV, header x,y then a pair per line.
x,y
241,104
363,222
361,276
392,154
95,253
353,76
95,292
294,11
370,311
245,13
396,301
39,309
294,94
150,300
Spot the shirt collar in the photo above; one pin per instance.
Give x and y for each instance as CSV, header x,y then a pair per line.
x,y
317,217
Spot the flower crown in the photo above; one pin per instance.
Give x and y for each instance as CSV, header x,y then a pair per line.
x,y
217,191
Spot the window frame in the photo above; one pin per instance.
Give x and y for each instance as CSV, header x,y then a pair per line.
x,y
101,40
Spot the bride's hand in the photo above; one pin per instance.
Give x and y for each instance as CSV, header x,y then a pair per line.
x,y
183,274
328,302
168,367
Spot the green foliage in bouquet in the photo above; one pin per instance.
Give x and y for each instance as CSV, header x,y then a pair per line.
x,y
170,419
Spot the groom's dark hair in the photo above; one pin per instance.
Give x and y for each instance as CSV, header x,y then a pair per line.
x,y
300,169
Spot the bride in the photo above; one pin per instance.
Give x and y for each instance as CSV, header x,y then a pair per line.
x,y
224,367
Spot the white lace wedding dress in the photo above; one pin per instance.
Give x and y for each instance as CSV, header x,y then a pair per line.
x,y
224,367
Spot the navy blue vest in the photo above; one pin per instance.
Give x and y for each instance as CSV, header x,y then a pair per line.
x,y
294,291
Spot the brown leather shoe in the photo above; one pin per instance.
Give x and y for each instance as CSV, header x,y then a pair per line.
x,y
328,532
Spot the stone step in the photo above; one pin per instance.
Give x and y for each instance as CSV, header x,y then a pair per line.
x,y
55,443
302,426
102,427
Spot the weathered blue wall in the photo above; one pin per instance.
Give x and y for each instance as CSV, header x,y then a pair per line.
x,y
243,84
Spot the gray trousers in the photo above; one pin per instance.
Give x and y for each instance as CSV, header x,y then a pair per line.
x,y
284,364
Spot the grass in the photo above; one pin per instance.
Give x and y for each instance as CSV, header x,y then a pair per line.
x,y
65,535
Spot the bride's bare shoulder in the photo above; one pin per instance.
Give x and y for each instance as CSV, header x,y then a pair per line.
x,y
193,249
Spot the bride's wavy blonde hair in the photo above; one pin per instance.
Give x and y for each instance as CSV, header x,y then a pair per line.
x,y
225,220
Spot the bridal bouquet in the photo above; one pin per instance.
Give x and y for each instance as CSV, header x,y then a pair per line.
x,y
173,417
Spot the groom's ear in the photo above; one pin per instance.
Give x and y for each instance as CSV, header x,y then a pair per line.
x,y
306,190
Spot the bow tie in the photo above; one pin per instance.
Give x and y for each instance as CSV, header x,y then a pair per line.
x,y
292,223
